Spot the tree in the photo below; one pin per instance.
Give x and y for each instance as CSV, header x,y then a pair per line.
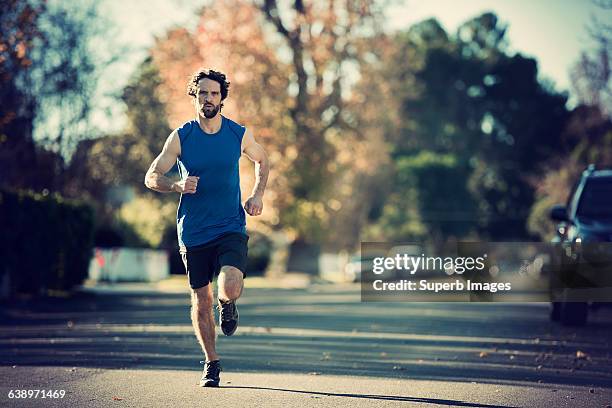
x,y
124,158
587,137
115,165
591,74
19,21
466,97
48,81
324,42
67,62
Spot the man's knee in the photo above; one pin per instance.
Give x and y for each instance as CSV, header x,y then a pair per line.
x,y
231,281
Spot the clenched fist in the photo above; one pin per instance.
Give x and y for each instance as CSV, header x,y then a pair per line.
x,y
186,186
253,205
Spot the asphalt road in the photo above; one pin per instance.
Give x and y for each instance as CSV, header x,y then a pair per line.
x,y
302,347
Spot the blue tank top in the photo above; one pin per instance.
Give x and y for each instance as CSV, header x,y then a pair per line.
x,y
216,206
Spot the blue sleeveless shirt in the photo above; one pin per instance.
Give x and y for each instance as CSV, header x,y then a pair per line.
x,y
216,206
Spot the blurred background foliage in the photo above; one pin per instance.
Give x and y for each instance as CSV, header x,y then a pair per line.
x,y
420,134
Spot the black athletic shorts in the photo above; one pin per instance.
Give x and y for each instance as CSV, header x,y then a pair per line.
x,y
204,262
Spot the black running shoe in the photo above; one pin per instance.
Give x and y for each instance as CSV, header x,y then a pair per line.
x,y
228,317
210,376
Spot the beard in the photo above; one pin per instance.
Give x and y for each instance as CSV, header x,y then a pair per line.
x,y
211,111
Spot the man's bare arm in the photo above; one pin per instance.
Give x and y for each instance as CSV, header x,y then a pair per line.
x,y
155,178
254,151
257,154
262,170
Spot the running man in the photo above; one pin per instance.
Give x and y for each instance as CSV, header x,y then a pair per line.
x,y
210,218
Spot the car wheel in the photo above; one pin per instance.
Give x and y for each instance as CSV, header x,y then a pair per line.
x,y
574,313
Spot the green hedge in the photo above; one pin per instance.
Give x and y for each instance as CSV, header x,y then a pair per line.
x,y
46,241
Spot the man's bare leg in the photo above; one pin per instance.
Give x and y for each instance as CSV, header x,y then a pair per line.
x,y
230,284
203,320
204,325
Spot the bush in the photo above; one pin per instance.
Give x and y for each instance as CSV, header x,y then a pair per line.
x,y
117,233
148,217
47,241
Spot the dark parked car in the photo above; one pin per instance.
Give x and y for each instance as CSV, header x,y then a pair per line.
x,y
581,264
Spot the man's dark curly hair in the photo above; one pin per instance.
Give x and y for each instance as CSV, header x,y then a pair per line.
x,y
192,85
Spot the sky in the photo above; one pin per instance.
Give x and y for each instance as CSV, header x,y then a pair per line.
x,y
552,31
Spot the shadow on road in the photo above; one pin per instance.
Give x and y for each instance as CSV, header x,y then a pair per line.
x,y
438,401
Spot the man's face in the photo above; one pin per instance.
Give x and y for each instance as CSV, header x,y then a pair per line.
x,y
208,100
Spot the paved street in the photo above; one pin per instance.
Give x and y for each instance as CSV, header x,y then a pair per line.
x,y
302,347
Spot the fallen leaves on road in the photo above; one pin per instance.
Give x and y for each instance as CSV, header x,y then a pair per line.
x,y
581,355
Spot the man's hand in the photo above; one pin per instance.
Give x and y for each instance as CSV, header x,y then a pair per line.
x,y
253,205
186,186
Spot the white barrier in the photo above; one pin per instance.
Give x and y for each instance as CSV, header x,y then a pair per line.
x,y
331,266
129,265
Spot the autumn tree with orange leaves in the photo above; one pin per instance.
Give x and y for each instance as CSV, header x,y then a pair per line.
x,y
19,30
